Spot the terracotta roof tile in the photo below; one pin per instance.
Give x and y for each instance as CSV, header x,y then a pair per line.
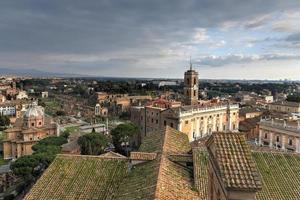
x,y
234,161
142,156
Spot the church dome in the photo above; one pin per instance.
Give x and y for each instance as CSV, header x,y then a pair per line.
x,y
35,111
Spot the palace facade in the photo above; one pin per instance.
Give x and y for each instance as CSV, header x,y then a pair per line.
x,y
280,134
194,118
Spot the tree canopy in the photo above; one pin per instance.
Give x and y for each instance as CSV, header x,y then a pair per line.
x,y
93,143
294,98
4,121
45,151
122,135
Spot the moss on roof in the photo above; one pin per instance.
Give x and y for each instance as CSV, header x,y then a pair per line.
x,y
141,182
102,177
200,158
160,178
279,173
234,161
79,177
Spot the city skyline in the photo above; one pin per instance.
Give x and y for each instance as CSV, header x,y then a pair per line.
x,y
250,40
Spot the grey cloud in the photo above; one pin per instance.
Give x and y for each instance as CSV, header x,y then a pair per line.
x,y
218,61
141,28
295,38
89,26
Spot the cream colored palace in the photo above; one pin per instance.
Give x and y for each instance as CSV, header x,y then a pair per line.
x,y
194,118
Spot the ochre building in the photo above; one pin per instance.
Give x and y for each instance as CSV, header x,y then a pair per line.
x,y
27,131
194,118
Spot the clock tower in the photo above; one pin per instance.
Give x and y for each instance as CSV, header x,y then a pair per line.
x,y
191,86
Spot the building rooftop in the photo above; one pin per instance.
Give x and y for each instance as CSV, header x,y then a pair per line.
x,y
279,173
286,103
232,156
112,177
287,125
80,177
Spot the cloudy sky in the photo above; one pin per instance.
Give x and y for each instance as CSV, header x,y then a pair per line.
x,y
232,39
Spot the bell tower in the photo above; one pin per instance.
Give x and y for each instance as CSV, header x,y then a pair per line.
x,y
191,86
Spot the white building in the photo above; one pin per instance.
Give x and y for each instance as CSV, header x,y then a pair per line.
x,y
280,134
269,99
22,95
8,109
45,94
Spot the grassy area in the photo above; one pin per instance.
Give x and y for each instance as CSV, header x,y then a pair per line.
x,y
72,129
2,161
51,105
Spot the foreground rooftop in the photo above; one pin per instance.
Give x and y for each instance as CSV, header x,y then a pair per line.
x,y
166,167
113,177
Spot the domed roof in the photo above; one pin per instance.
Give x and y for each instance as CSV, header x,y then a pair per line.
x,y
34,111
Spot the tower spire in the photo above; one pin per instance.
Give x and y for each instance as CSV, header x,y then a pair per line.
x,y
191,66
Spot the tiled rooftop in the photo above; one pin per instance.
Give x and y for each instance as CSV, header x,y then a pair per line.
x,y
234,161
142,156
107,176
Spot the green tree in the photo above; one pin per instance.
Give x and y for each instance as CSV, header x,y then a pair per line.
x,y
122,135
294,98
24,166
93,144
60,113
33,165
4,121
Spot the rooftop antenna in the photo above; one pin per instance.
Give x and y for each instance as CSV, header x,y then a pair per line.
x,y
191,66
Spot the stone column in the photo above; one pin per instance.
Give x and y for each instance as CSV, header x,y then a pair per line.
x,y
214,120
192,130
283,140
297,145
221,123
260,137
230,122
179,126
205,126
197,126
271,140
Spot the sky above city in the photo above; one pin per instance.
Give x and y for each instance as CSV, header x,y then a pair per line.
x,y
226,39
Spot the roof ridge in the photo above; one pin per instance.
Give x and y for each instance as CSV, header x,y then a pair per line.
x,y
91,156
161,164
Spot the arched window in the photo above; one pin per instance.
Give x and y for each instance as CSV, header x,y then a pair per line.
x,y
195,81
188,81
266,135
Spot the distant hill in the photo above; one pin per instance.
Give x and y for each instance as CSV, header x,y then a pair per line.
x,y
33,73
